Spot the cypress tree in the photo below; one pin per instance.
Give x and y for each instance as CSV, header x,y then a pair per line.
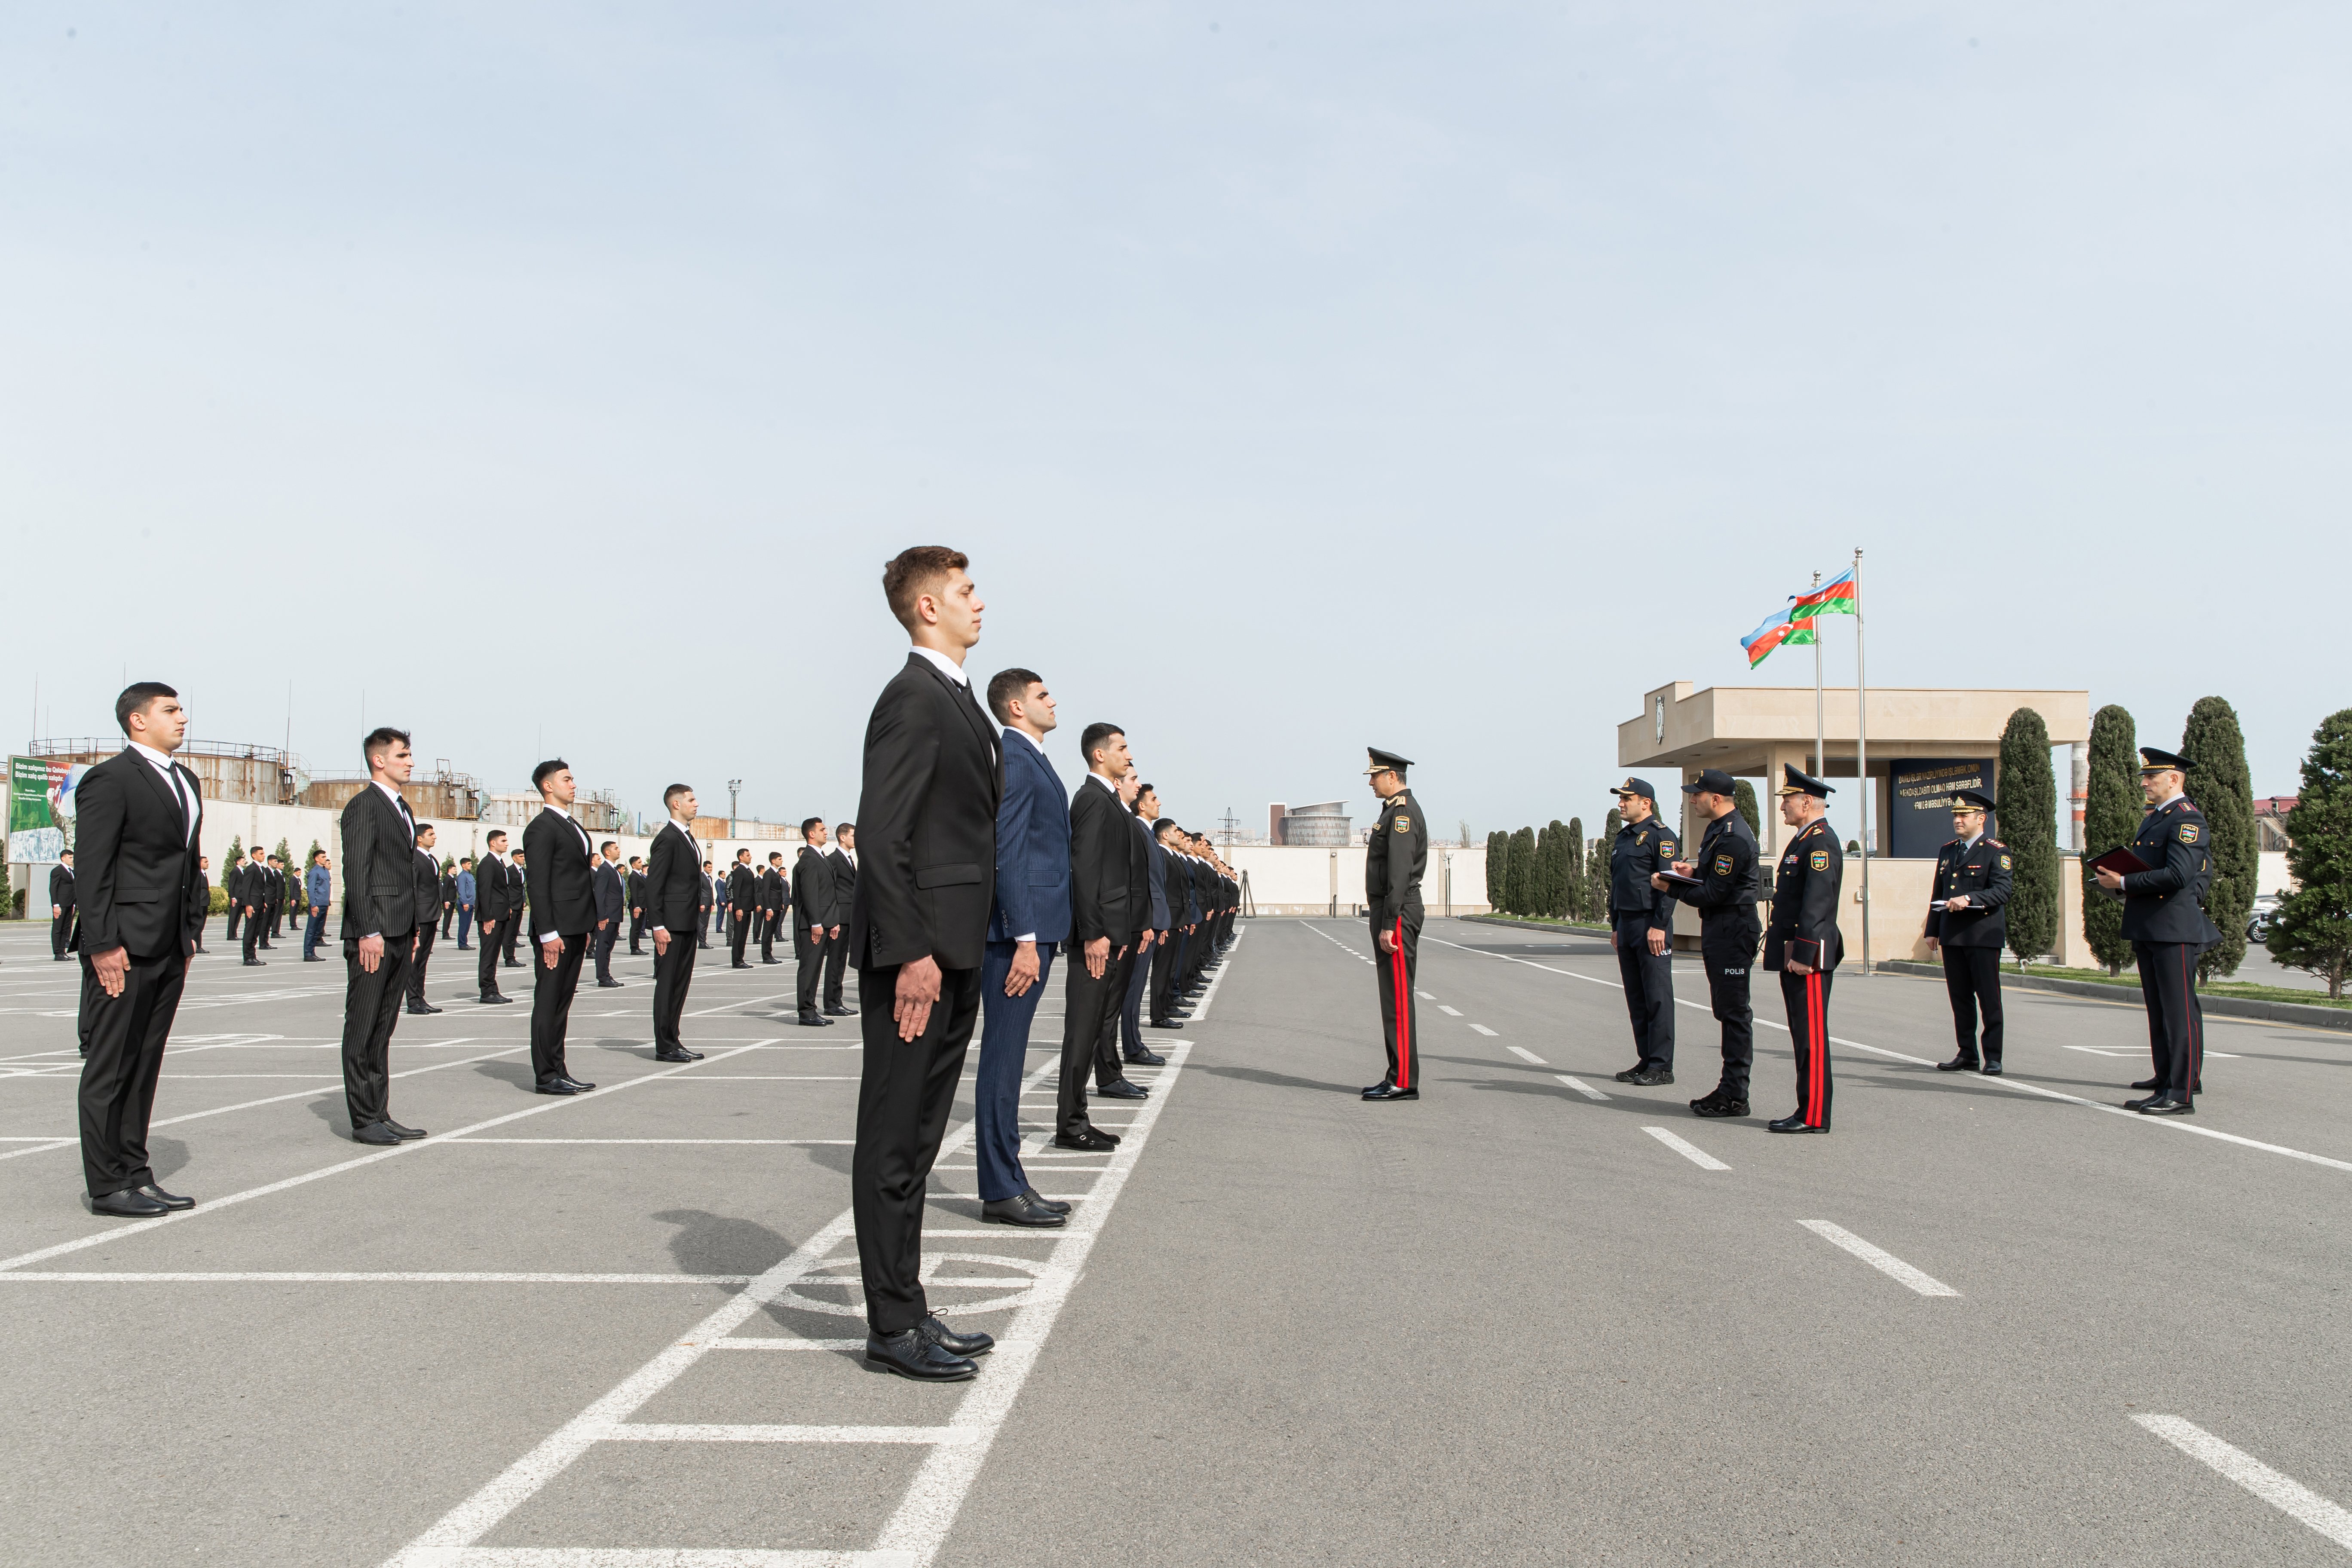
x,y
1572,868
2029,831
2221,785
1539,895
1498,869
2312,927
1524,872
1558,859
2111,816
1743,797
285,856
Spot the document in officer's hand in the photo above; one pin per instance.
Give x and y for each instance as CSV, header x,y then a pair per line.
x,y
2122,862
1677,879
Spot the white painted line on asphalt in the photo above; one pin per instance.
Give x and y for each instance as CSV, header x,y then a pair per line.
x,y
1525,1055
1688,1151
1483,1031
382,1278
214,1205
1580,1087
2287,1495
1424,996
1449,1012
1886,1262
2095,1051
650,1432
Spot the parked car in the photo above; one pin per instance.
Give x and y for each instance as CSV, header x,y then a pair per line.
x,y
2258,922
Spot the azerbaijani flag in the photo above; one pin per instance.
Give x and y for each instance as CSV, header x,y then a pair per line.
x,y
1835,597
1779,629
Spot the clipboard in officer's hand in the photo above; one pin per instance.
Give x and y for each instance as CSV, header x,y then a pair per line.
x,y
2122,862
1677,879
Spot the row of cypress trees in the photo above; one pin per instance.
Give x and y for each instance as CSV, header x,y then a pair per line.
x,y
1556,873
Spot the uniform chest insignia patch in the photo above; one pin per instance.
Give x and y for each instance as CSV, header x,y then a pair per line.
x,y
1787,861
2189,832
1722,865
1404,825
2004,862
1821,860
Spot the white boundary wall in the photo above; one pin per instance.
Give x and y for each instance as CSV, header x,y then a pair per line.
x,y
1299,879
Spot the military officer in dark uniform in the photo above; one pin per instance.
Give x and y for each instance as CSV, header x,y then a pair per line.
x,y
1725,899
1393,862
1803,944
1967,918
1641,929
2165,922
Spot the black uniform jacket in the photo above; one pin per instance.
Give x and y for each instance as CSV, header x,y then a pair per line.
x,y
61,887
1981,871
1643,850
1730,880
933,778
812,886
604,879
1805,901
674,886
555,879
495,896
1108,869
845,885
379,871
429,887
742,888
772,891
2166,903
1393,862
137,886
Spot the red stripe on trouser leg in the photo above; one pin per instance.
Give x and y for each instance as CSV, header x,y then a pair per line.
x,y
2188,1016
1815,1026
1405,1010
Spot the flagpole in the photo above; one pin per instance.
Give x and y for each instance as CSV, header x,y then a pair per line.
x,y
1820,729
1861,754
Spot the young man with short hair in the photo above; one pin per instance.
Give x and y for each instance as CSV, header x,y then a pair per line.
x,y
384,903
562,920
497,901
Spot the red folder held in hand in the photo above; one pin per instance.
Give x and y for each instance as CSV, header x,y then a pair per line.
x,y
2122,862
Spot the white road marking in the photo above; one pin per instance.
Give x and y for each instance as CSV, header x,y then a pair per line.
x,y
2287,1495
1449,1012
651,1431
1688,1151
1886,1262
1424,996
2095,1051
1580,1087
1483,1031
1525,1055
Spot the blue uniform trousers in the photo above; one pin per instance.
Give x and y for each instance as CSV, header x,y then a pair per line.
x,y
1003,1056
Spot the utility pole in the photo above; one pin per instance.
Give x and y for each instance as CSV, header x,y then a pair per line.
x,y
734,787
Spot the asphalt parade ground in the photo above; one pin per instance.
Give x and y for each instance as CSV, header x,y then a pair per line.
x,y
1536,1316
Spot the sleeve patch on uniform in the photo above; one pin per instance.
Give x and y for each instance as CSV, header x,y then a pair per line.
x,y
2189,832
1404,825
1722,865
2004,862
1667,848
1821,860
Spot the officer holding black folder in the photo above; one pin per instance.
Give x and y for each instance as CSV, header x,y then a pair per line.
x,y
1967,919
2164,920
1721,884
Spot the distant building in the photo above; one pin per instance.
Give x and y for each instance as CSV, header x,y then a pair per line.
x,y
1325,826
2269,822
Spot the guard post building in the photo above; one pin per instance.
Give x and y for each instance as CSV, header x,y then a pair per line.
x,y
1921,744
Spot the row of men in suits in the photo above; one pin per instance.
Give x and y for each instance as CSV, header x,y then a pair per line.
x,y
256,899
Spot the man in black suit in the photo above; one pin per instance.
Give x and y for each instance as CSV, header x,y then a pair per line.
x,y
497,902
196,920
273,897
932,779
709,901
742,898
250,895
563,919
387,895
634,884
519,889
775,897
139,819
675,892
428,904
813,897
62,915
1155,859
448,900
841,861
611,899
1109,906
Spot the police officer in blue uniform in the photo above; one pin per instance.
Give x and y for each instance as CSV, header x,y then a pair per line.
x,y
1967,919
1803,942
1394,859
1641,929
1728,881
2165,922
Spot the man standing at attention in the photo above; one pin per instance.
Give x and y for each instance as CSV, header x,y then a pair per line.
x,y
61,906
1031,916
1728,877
742,898
387,898
249,893
1394,858
497,900
674,897
318,892
428,909
813,898
932,781
139,821
1109,905
465,886
2165,922
842,860
562,921
636,883
1968,921
1803,942
610,901
1640,930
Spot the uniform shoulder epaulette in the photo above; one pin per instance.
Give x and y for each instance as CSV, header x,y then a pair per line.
x,y
1995,844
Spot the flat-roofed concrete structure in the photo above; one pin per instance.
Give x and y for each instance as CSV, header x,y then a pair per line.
x,y
1922,742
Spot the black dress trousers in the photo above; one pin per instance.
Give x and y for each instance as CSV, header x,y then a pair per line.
x,y
1649,980
1108,1069
741,933
673,973
1807,997
61,928
810,978
425,934
903,1094
487,961
2176,1018
124,1037
1972,976
1086,1002
550,1004
1727,966
371,1008
836,968
1400,1015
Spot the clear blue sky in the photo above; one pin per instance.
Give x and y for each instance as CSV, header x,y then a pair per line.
x,y
1300,377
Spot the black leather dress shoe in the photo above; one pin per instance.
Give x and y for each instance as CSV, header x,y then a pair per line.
x,y
514,963
1629,1074
256,963
1147,1058
495,999
1647,1079
1043,1202
1792,1123
2165,1105
2157,1083
1168,1022
772,960
374,1132
1718,1104
128,1205
608,985
841,1011
910,1354
954,1343
739,964
812,1021
680,1055
428,1007
1990,1069
1958,1064
1390,1091
1119,1089
169,1200
1018,1210
405,1134
555,1085
1093,1140
313,958
579,1085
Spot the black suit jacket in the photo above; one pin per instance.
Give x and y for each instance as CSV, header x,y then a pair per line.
x,y
493,888
742,888
137,886
61,887
429,887
674,888
845,885
555,879
636,889
606,878
381,870
812,886
926,824
1107,897
772,891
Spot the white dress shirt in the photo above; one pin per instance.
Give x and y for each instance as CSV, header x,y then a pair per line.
x,y
947,666
161,763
